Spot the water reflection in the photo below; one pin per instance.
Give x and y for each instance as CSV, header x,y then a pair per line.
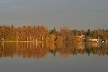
x,y
42,49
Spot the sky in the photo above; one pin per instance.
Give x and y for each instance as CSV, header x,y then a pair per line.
x,y
74,14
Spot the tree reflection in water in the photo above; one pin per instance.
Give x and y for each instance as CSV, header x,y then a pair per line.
x,y
42,49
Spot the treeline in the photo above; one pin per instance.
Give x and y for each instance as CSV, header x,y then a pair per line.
x,y
97,34
41,33
34,33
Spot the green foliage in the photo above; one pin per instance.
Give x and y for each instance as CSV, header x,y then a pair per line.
x,y
54,31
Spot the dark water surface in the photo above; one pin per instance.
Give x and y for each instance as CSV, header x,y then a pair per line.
x,y
54,57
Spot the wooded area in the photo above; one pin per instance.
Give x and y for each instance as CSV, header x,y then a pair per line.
x,y
41,33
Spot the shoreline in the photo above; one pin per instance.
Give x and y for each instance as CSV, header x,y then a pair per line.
x,y
53,41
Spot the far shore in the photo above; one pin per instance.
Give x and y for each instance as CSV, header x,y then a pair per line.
x,y
21,41
54,41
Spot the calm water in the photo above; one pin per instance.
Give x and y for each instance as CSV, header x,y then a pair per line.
x,y
53,57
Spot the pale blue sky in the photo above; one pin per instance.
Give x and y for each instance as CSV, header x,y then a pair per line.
x,y
80,14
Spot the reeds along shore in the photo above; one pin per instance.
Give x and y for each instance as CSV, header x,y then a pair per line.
x,y
41,33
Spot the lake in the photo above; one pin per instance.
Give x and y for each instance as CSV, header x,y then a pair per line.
x,y
53,57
